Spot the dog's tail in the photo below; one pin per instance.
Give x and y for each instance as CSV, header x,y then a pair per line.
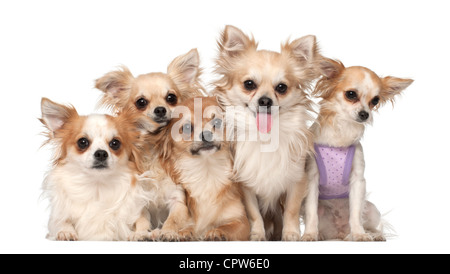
x,y
387,228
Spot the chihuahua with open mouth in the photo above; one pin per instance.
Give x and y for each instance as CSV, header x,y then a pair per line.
x,y
267,90
336,206
196,155
94,187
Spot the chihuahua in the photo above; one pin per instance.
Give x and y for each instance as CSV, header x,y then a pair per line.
x,y
155,96
196,155
94,187
336,206
267,92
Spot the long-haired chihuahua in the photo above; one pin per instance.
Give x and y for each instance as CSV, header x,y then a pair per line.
x,y
336,207
155,95
196,155
266,90
94,187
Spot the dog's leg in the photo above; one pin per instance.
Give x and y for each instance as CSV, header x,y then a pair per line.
x,y
187,234
291,217
177,220
67,232
142,227
312,203
257,232
178,217
235,230
357,198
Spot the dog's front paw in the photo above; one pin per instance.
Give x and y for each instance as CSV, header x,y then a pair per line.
x,y
291,237
67,236
169,236
257,237
155,234
378,237
310,237
356,237
215,235
187,235
140,236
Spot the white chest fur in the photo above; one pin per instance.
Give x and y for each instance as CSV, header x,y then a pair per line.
x,y
102,207
270,174
339,133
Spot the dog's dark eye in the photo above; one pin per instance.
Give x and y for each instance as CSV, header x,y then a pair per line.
x,y
351,95
375,100
281,88
250,85
217,123
187,128
141,103
171,99
115,144
83,143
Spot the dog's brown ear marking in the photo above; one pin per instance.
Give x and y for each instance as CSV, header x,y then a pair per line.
x,y
330,68
392,86
116,85
330,71
54,115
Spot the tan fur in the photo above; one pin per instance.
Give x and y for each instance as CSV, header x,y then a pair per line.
x,y
226,218
72,126
71,131
295,67
122,90
336,78
294,199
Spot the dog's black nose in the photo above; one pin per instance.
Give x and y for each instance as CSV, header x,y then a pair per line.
x,y
265,102
363,115
101,155
206,136
160,112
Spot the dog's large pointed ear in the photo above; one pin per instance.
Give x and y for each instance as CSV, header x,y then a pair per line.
x,y
54,115
233,42
392,86
116,86
132,123
185,69
305,49
138,150
305,54
330,68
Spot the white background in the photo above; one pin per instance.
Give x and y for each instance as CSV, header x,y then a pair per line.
x,y
57,49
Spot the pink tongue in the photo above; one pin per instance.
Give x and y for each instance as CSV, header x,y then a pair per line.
x,y
264,122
